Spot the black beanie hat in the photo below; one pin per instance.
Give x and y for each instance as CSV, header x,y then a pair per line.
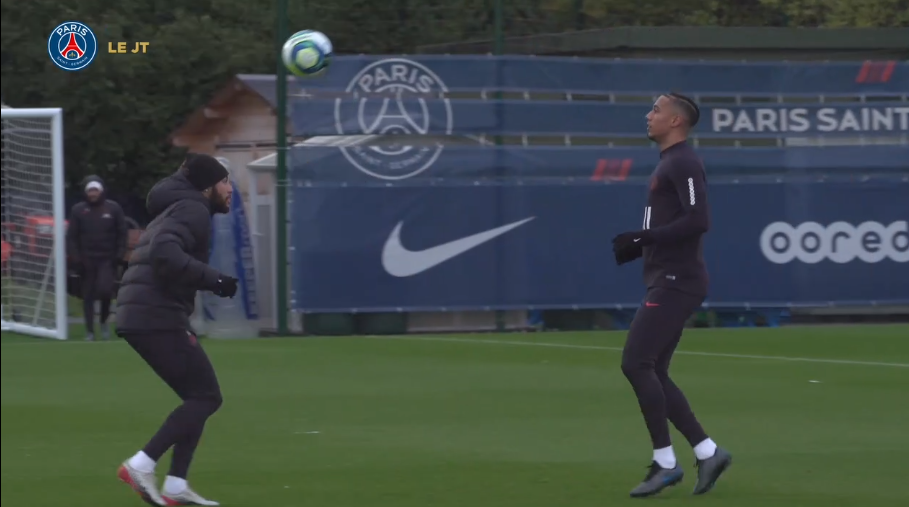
x,y
204,171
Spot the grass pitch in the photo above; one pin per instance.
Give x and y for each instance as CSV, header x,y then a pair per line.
x,y
814,416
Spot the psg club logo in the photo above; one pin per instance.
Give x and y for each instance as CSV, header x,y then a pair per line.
x,y
392,98
72,46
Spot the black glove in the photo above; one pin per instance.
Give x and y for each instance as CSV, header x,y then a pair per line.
x,y
628,246
624,256
637,239
227,287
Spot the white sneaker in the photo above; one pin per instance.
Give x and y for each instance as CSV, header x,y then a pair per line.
x,y
187,497
143,483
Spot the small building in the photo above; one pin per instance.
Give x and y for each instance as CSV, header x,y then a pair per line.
x,y
237,123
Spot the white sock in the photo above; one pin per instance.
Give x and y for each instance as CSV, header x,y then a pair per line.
x,y
142,463
705,450
665,457
174,485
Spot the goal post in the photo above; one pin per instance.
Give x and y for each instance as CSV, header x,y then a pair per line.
x,y
34,299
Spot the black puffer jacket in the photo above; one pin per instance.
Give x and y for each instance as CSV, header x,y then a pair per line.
x,y
169,263
97,230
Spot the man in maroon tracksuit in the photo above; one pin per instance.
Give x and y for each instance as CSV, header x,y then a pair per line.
x,y
671,243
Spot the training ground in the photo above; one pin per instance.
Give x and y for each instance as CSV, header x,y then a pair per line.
x,y
815,416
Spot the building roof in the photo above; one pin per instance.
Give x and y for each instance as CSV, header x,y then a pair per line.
x,y
264,85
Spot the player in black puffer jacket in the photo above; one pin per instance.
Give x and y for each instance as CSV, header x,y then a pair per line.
x,y
154,305
170,261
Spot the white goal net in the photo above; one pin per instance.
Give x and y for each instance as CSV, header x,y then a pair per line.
x,y
33,220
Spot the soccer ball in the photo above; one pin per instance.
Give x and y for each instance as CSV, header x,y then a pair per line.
x,y
307,53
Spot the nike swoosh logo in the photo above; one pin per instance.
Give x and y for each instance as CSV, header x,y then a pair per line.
x,y
637,239
401,262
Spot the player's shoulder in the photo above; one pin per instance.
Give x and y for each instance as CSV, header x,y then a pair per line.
x,y
688,155
113,206
688,163
191,207
79,207
194,214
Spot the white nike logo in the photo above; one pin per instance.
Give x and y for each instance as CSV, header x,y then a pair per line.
x,y
637,239
401,262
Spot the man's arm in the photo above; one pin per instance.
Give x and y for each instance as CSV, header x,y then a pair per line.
x,y
691,187
169,248
122,232
72,235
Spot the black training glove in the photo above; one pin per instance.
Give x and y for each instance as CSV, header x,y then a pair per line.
x,y
629,246
638,239
624,256
227,287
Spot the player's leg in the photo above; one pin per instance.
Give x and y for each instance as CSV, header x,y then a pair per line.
x,y
174,356
677,407
654,330
712,461
639,356
89,282
157,350
202,386
138,472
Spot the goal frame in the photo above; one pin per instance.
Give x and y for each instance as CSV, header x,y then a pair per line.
x,y
61,332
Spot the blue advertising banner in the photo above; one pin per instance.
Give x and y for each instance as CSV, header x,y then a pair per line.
x,y
366,164
404,115
474,246
370,74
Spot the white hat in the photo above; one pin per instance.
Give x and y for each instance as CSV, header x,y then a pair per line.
x,y
94,185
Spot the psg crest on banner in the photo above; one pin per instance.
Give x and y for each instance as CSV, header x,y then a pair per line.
x,y
378,107
72,46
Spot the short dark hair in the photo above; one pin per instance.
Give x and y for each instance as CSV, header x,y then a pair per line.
x,y
687,105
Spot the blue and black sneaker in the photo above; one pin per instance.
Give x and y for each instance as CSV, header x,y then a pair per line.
x,y
657,479
710,469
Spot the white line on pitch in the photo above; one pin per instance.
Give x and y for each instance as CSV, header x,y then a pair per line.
x,y
553,345
619,349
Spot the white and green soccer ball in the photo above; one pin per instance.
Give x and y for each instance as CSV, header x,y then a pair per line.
x,y
307,53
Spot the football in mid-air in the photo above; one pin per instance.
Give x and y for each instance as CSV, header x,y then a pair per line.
x,y
307,53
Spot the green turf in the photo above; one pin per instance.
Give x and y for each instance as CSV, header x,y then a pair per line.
x,y
411,422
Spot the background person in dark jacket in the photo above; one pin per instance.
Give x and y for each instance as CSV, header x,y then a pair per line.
x,y
96,243
154,304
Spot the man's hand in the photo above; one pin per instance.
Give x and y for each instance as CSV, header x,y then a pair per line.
x,y
636,239
627,255
629,246
227,287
